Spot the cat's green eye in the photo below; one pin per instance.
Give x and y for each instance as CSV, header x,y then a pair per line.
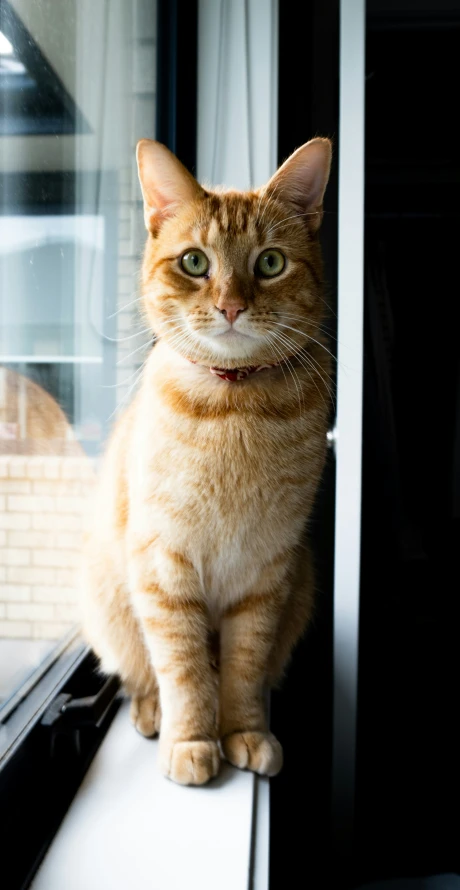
x,y
270,263
195,262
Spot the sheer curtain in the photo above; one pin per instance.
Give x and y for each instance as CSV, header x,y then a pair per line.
x,y
237,91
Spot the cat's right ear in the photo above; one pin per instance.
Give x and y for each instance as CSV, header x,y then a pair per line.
x,y
166,184
301,181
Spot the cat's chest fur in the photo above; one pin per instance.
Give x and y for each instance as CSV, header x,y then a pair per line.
x,y
230,489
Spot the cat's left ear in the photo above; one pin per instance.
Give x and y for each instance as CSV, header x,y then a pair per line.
x,y
166,184
301,181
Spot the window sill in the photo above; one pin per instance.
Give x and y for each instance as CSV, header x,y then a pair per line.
x,y
130,827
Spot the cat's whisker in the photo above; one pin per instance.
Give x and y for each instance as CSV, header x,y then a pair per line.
x,y
296,215
270,202
296,345
137,375
309,358
303,319
126,306
281,358
179,329
183,340
267,206
326,304
305,362
306,356
292,371
122,382
130,336
175,324
289,343
287,218
295,378
178,317
126,357
126,396
322,300
180,343
303,334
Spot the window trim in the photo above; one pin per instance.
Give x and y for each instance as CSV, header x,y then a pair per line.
x,y
347,567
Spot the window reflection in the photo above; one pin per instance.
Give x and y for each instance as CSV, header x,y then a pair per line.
x,y
77,90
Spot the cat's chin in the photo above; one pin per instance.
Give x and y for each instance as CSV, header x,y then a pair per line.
x,y
231,349
233,342
234,360
234,350
233,334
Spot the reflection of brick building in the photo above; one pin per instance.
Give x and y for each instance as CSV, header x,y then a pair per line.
x,y
43,501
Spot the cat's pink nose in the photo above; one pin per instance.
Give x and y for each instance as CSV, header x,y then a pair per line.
x,y
231,312
231,300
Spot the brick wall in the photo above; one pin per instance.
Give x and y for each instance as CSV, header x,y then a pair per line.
x,y
43,503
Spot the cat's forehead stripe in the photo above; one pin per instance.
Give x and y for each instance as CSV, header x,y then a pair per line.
x,y
212,230
230,214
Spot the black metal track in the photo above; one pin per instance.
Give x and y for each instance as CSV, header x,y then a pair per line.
x,y
301,713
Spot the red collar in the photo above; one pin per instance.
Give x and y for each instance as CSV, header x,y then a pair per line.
x,y
235,374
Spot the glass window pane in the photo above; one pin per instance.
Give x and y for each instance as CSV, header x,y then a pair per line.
x,y
77,90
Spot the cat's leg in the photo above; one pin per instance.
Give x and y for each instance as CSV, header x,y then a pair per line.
x,y
173,615
248,633
296,616
136,671
114,632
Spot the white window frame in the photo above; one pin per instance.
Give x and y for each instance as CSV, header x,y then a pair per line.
x,y
348,434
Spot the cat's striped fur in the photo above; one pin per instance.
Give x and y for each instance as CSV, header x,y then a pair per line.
x,y
207,485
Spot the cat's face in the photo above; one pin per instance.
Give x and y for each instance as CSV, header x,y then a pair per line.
x,y
233,278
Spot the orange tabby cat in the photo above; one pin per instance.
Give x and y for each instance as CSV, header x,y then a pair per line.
x,y
31,421
210,475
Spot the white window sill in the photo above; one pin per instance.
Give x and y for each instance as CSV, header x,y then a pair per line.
x,y
128,827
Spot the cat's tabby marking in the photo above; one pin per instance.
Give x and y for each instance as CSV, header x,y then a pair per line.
x,y
208,484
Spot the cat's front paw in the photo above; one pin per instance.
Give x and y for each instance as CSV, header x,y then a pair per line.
x,y
260,752
190,763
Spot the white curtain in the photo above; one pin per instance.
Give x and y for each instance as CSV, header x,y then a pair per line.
x,y
237,91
